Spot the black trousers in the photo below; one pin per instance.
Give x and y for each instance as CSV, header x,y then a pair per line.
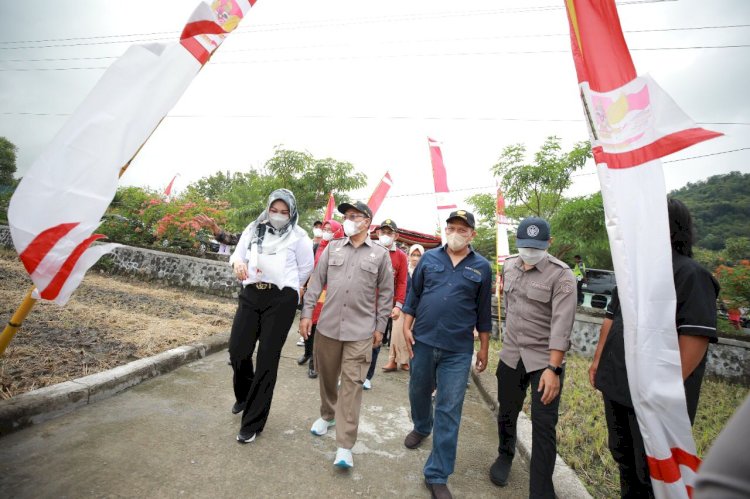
x,y
309,344
263,316
628,451
579,288
512,385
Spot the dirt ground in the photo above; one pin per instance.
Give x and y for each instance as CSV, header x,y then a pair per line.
x,y
109,321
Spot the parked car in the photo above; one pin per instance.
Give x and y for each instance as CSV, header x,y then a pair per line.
x,y
597,288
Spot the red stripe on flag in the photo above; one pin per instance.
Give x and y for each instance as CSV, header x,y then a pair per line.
x,y
446,207
201,28
329,209
379,194
57,282
42,244
196,49
662,147
668,470
438,169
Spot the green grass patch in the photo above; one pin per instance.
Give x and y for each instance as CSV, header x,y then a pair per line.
x,y
582,428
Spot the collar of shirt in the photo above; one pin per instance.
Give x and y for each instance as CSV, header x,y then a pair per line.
x,y
367,241
445,250
541,265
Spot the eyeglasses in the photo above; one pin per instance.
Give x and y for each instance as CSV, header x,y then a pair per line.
x,y
464,231
354,216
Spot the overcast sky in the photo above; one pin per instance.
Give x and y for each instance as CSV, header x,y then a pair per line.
x,y
368,82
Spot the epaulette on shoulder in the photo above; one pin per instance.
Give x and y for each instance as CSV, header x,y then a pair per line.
x,y
558,262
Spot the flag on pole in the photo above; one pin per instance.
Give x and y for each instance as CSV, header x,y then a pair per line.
x,y
632,123
168,190
502,245
60,201
329,209
379,193
445,203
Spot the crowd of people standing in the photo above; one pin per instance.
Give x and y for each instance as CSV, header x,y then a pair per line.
x,y
352,290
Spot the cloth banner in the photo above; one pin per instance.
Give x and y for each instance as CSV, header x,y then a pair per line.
x,y
443,197
379,194
61,199
632,123
329,209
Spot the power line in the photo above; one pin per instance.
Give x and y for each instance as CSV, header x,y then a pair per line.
x,y
390,56
333,22
424,118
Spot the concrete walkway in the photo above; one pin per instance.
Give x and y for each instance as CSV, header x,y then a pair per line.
x,y
174,436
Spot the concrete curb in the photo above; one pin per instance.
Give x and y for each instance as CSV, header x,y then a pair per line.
x,y
52,401
567,483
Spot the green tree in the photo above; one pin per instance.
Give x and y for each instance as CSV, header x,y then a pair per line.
x,y
578,228
7,162
536,188
737,248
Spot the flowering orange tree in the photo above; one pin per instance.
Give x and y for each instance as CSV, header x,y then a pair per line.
x,y
735,284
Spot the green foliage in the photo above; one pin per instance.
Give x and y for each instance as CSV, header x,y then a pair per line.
x,y
710,259
578,228
720,206
7,162
536,188
737,248
735,284
484,207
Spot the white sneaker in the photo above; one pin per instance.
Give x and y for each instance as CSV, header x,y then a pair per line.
x,y
320,426
367,385
343,458
301,342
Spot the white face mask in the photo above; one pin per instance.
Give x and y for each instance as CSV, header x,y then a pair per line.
x,y
386,241
327,236
317,232
277,220
531,256
351,228
457,242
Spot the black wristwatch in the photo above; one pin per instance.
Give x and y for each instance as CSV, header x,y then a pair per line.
x,y
556,370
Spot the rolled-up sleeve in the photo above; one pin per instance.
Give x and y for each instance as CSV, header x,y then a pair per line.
x,y
385,293
564,303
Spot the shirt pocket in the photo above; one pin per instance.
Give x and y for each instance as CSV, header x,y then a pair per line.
x,y
471,280
336,267
368,276
540,295
433,273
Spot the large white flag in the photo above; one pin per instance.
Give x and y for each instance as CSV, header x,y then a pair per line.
x,y
633,123
61,199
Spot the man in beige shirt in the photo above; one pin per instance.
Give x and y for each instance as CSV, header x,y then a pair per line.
x,y
359,299
540,305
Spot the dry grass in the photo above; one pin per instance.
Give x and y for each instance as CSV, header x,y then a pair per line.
x,y
109,321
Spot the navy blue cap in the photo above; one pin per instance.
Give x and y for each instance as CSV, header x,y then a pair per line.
x,y
533,232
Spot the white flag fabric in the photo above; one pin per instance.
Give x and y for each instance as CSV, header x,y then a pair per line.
x,y
633,123
61,199
443,196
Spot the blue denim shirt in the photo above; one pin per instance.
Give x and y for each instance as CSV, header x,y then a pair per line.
x,y
449,302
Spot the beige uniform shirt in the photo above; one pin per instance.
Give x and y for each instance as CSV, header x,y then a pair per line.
x,y
540,308
359,298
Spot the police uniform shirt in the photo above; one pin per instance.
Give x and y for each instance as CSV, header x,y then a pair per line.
x,y
696,292
540,308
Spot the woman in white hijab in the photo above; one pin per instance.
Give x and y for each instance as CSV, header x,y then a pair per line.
x,y
398,355
273,259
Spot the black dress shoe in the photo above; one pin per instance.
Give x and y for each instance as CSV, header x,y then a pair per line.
x,y
413,439
439,490
303,359
500,470
238,407
312,373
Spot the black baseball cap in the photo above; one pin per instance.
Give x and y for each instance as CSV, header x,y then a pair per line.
x,y
464,215
317,222
389,223
533,232
356,205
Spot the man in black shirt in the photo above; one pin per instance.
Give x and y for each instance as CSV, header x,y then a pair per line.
x,y
695,320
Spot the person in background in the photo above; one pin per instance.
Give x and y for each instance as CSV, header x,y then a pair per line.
x,y
273,260
579,272
540,308
331,230
317,237
219,234
450,295
398,353
387,235
359,300
695,320
317,234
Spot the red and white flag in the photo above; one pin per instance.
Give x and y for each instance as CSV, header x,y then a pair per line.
x,y
60,201
379,194
443,197
633,123
503,247
168,190
330,208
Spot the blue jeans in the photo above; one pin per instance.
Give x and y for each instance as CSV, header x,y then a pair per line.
x,y
447,371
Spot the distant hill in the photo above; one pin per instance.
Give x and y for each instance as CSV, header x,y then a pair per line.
x,y
720,206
